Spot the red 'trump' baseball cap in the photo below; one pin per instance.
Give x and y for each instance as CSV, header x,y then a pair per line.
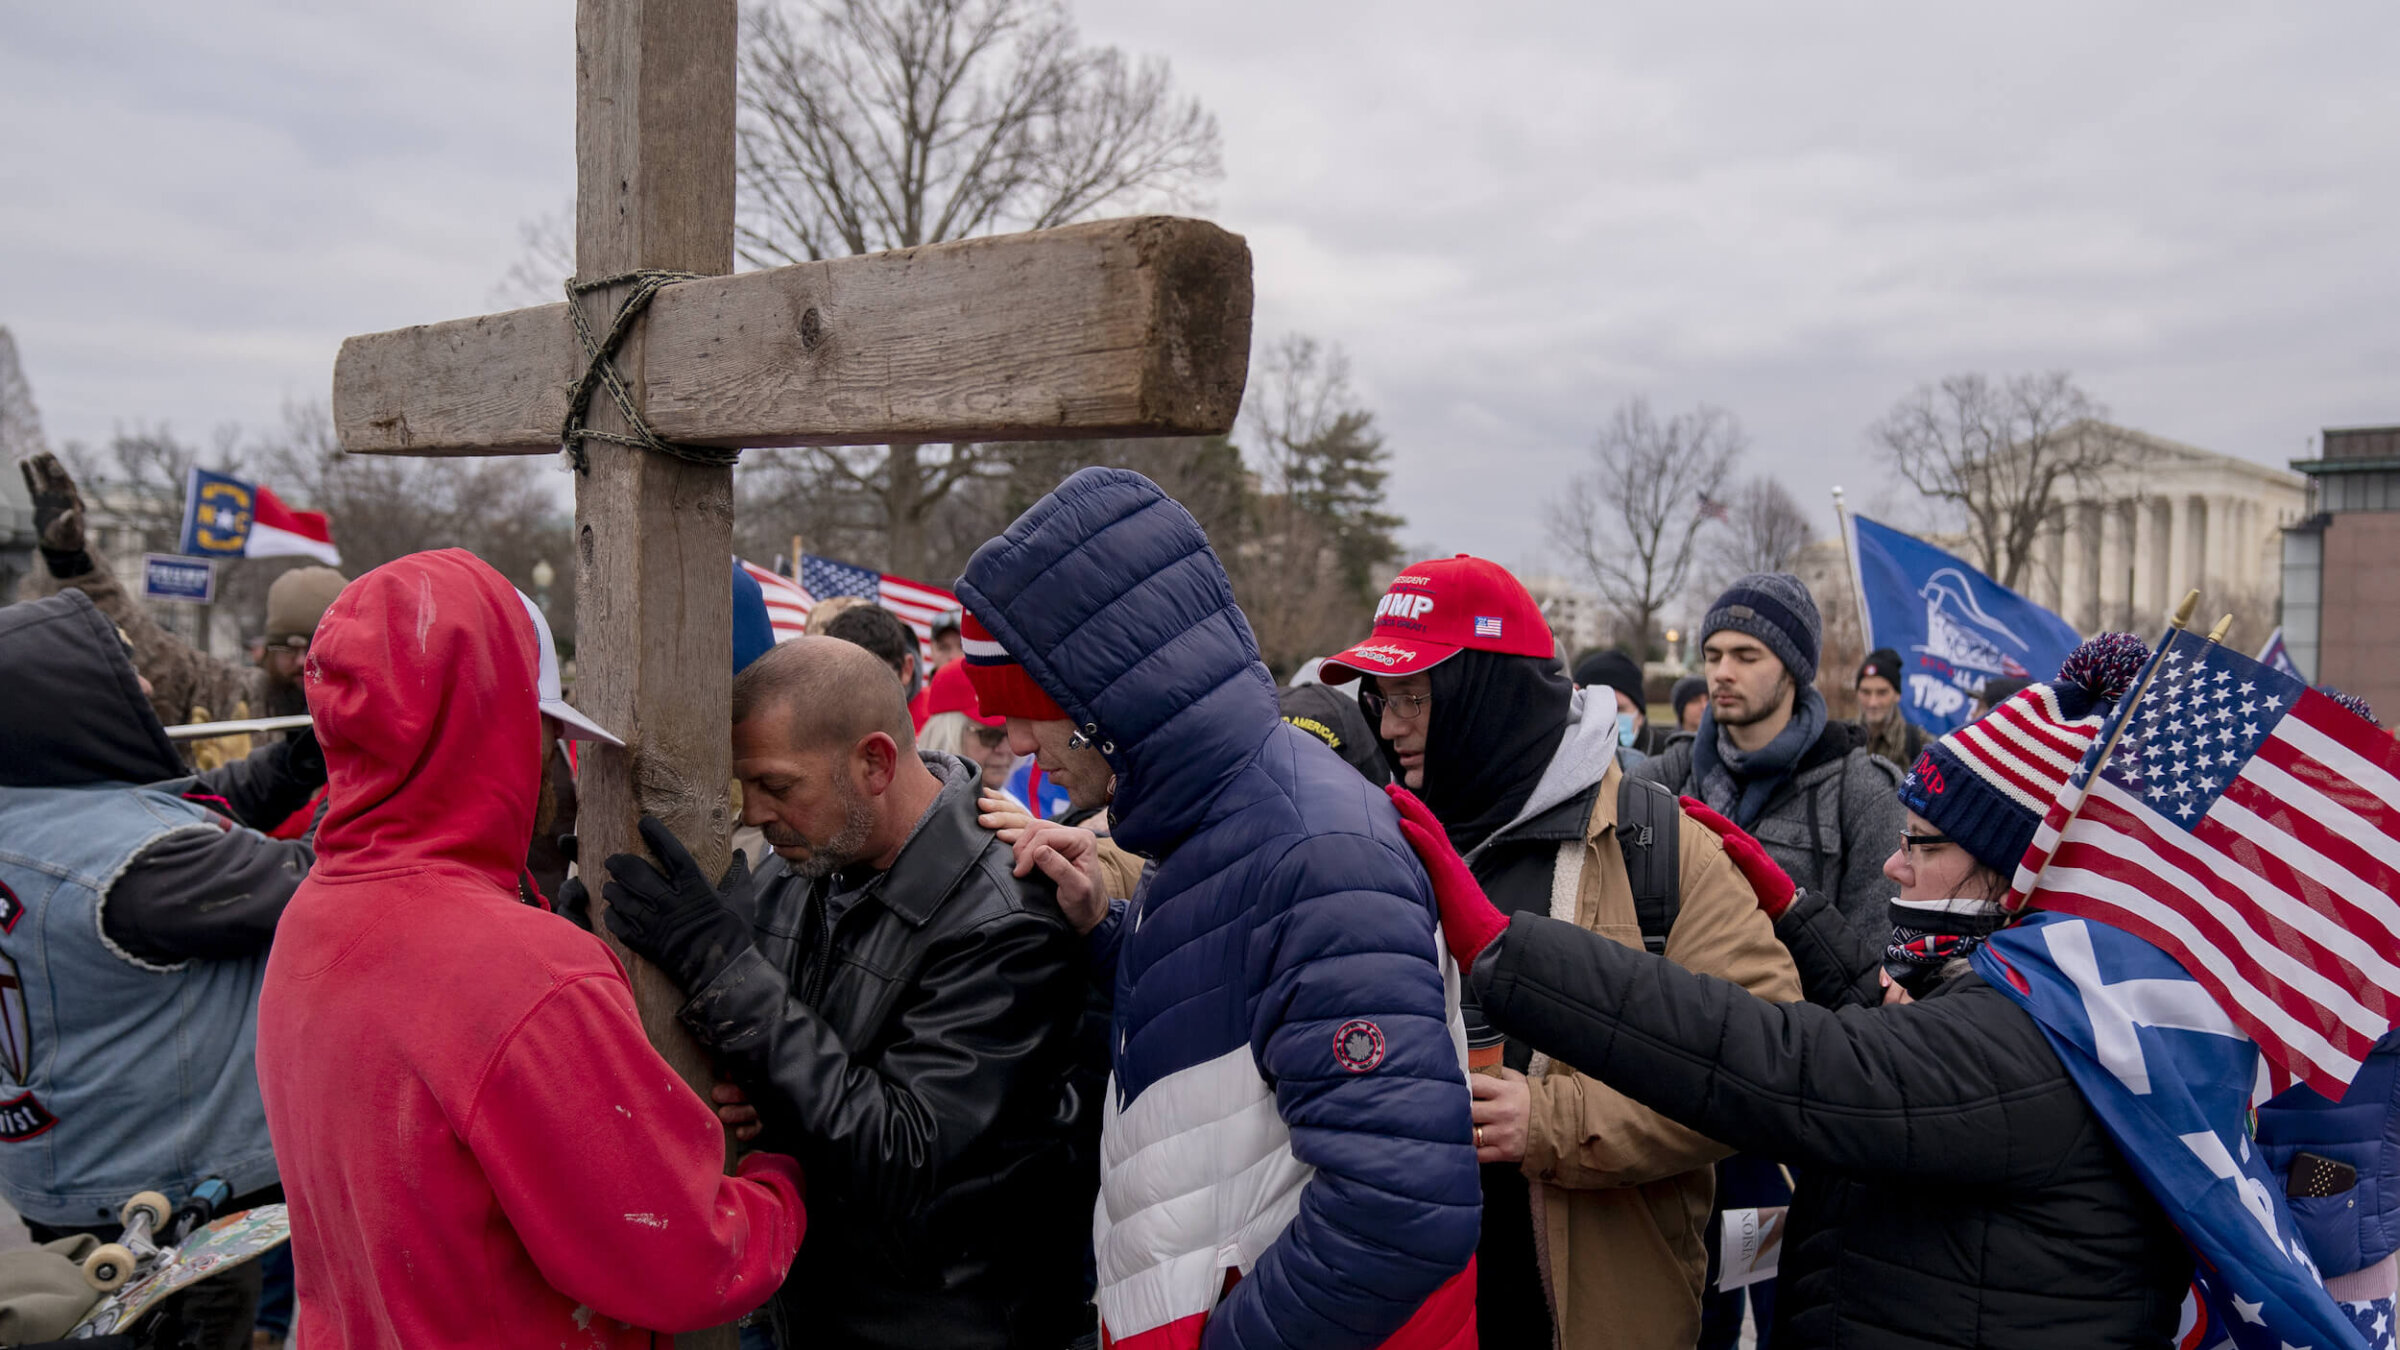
x,y
1437,609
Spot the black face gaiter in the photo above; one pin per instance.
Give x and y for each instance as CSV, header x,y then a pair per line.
x,y
1497,721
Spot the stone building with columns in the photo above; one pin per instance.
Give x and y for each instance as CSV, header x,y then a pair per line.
x,y
2167,518
2124,549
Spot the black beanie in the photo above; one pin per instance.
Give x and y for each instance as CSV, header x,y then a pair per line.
x,y
1617,671
1881,661
1336,719
1686,689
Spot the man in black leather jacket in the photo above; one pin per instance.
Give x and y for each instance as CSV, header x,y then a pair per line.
x,y
899,1009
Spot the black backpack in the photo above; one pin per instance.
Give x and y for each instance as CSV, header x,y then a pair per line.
x,y
1648,830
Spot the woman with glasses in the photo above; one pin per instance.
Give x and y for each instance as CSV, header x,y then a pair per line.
x,y
1954,1187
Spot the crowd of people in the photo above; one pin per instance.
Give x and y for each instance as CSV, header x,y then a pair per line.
x,y
1438,997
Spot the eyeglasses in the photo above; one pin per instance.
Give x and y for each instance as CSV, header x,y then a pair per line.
x,y
1909,841
1406,707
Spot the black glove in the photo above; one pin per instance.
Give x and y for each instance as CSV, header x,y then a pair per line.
x,y
57,516
675,918
575,903
303,759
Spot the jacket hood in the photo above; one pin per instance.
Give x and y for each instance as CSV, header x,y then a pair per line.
x,y
75,712
424,682
1108,594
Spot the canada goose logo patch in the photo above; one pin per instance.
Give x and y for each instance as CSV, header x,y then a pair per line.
x,y
1358,1046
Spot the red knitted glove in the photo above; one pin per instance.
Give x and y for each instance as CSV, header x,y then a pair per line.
x,y
1469,922
1773,887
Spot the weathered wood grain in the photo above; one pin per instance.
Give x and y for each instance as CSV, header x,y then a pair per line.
x,y
654,88
1113,328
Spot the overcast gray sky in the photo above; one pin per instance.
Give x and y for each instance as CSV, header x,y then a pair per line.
x,y
1512,216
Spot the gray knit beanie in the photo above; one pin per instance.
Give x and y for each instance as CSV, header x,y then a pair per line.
x,y
1775,608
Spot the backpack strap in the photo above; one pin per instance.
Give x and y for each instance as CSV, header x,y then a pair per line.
x,y
1649,825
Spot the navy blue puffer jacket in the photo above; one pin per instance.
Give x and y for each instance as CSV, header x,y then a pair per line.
x,y
1286,1158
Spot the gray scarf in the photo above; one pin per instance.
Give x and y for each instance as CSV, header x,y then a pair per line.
x,y
1738,782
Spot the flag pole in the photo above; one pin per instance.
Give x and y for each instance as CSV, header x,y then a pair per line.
x,y
1858,585
2022,888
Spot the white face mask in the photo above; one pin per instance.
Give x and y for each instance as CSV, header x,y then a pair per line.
x,y
1627,725
1955,905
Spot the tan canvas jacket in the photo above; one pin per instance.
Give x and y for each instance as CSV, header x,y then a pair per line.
x,y
1621,1195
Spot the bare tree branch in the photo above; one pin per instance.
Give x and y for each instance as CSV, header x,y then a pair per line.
x,y
1633,520
1998,455
1763,530
545,260
880,124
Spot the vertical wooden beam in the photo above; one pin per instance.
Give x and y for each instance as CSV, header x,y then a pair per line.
x,y
654,109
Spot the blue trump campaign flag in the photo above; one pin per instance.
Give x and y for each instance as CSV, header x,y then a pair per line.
x,y
2173,1079
2277,657
1953,626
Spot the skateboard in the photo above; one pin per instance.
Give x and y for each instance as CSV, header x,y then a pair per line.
x,y
143,1279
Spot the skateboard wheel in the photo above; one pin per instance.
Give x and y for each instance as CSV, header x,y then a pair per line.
x,y
147,1200
108,1267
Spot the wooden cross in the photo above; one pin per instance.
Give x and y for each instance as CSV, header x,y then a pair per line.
x,y
1132,327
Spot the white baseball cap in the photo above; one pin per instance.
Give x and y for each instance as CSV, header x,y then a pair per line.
x,y
554,694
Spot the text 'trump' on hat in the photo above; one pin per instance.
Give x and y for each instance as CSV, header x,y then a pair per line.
x,y
1439,608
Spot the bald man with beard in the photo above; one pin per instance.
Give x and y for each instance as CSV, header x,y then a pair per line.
x,y
900,1011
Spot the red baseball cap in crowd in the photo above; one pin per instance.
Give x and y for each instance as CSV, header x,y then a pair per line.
x,y
952,690
1437,609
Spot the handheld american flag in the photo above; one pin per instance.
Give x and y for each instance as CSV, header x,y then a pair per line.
x,y
789,601
2244,824
918,605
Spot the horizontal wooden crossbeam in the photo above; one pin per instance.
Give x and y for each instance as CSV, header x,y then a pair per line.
x,y
1113,328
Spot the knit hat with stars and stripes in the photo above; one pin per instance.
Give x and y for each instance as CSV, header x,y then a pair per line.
x,y
1988,784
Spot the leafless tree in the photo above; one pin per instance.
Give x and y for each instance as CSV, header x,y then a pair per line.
x,y
1320,543
384,506
881,124
1996,454
1763,529
546,258
137,481
1633,521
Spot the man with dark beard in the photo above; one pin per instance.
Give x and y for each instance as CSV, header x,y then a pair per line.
x,y
898,1009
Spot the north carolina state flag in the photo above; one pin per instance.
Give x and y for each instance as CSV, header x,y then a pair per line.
x,y
229,517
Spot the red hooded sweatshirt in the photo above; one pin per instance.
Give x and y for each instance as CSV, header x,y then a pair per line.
x,y
479,1145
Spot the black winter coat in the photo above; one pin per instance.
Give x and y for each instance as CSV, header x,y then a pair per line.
x,y
1954,1188
915,1056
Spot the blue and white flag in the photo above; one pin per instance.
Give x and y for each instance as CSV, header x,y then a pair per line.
x,y
2276,656
1953,626
2173,1080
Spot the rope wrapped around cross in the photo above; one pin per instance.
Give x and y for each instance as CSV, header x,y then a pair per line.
x,y
600,370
